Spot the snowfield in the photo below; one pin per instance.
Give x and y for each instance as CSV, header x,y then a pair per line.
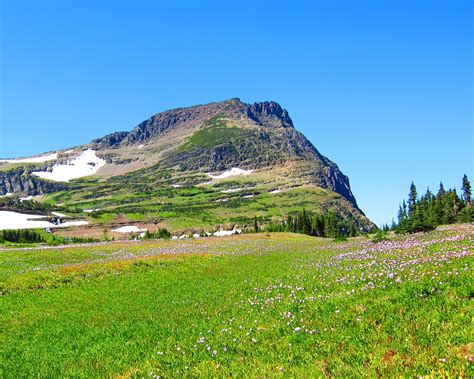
x,y
129,229
83,165
40,159
234,171
14,220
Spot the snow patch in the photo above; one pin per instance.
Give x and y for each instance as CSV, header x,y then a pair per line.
x,y
231,190
28,198
14,220
225,233
140,146
71,223
129,229
222,200
40,159
232,172
91,210
58,214
248,196
83,165
275,191
176,185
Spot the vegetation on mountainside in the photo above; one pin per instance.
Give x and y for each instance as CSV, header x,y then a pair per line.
x,y
429,211
33,237
15,203
215,132
161,233
184,203
21,236
245,306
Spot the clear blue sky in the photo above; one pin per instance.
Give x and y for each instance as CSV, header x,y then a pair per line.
x,y
383,88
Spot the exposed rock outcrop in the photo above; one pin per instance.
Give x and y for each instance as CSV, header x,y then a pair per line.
x,y
110,140
20,182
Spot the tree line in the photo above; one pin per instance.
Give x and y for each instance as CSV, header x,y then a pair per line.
x,y
21,236
319,225
428,211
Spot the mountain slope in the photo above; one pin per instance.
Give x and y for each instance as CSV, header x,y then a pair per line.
x,y
227,134
162,167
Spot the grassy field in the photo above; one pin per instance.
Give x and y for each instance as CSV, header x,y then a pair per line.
x,y
251,305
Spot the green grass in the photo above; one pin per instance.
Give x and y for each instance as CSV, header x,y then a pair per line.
x,y
215,135
252,305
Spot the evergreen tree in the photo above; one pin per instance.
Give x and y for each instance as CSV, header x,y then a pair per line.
x,y
429,211
412,199
255,224
440,205
466,190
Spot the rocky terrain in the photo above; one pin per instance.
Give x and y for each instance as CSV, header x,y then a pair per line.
x,y
21,182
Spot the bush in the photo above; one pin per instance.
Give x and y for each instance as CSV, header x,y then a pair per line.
x,y
162,233
379,236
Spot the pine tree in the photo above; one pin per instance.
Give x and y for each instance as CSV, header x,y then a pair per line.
x,y
306,223
440,205
429,211
466,190
255,224
412,199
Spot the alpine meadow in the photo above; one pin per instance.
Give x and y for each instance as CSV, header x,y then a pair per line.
x,y
153,225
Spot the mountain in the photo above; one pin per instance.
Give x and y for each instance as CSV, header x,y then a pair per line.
x,y
179,162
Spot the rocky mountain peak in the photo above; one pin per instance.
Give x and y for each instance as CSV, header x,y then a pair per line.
x,y
269,113
266,114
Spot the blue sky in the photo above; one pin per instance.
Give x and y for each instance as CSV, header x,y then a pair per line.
x,y
383,88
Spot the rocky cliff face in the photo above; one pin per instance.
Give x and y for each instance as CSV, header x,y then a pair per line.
x,y
111,140
20,182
